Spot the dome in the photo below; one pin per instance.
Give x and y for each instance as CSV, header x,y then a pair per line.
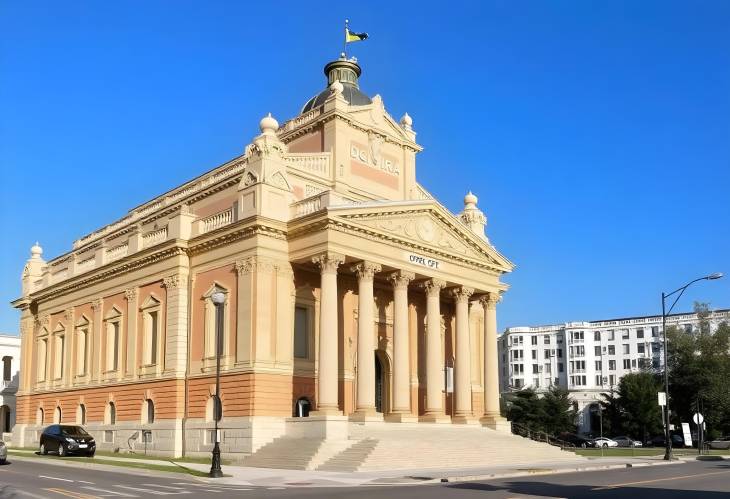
x,y
268,124
346,71
470,199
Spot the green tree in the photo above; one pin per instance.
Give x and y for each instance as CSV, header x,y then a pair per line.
x,y
637,402
699,370
524,408
552,412
612,413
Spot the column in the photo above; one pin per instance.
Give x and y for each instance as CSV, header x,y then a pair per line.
x,y
96,343
434,354
462,356
327,376
401,349
492,417
69,342
131,346
365,408
176,334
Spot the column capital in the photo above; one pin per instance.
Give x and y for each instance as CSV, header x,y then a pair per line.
x,y
173,281
433,287
490,300
43,320
130,294
328,262
461,294
401,278
366,270
69,316
97,304
244,266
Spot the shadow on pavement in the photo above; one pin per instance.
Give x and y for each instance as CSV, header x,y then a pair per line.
x,y
541,489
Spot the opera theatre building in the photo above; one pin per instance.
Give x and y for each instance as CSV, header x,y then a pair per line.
x,y
349,292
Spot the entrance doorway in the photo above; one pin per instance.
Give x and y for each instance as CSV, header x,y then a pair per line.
x,y
382,382
5,419
378,384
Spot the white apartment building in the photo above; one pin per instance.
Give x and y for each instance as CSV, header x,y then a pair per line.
x,y
587,358
10,357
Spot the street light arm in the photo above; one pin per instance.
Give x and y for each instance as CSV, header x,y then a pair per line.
x,y
681,292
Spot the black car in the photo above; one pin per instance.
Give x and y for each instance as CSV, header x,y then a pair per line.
x,y
660,441
577,440
66,439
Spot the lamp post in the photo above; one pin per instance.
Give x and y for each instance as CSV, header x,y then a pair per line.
x,y
218,299
665,312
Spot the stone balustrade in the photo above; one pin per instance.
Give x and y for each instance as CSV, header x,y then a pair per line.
x,y
216,221
314,164
117,252
154,237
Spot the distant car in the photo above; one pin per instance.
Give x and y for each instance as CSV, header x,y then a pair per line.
x,y
3,452
659,441
67,439
624,441
577,440
722,443
605,442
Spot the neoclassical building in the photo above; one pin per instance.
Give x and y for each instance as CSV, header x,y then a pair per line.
x,y
351,294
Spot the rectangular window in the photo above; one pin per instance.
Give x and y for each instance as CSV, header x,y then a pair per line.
x,y
153,336
535,369
597,336
612,379
547,368
546,339
546,354
633,362
640,349
611,335
598,380
640,333
627,363
655,331
597,350
301,333
534,354
626,349
611,365
624,334
599,365
533,340
560,367
611,349
42,359
560,352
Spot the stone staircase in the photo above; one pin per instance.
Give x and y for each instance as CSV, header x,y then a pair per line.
x,y
392,446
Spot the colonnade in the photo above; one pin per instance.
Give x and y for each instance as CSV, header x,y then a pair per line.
x,y
401,401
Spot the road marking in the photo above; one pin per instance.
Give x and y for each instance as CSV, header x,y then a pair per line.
x,y
55,478
617,485
181,490
84,481
149,491
107,493
69,493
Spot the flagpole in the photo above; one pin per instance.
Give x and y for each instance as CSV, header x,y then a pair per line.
x,y
344,43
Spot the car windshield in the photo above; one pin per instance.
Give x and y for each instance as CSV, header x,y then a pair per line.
x,y
73,431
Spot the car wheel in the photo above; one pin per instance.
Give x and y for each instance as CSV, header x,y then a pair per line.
x,y
90,454
62,450
43,449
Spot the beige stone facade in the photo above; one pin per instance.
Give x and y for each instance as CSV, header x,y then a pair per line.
x,y
348,290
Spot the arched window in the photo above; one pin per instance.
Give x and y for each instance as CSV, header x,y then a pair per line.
x,y
210,410
39,416
111,344
301,408
81,414
151,319
57,415
148,412
210,322
110,416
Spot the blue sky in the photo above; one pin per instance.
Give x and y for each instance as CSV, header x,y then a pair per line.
x,y
596,134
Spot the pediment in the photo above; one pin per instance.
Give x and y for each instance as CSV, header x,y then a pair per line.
x,y
375,116
428,225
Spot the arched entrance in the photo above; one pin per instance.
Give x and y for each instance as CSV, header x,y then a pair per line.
x,y
382,382
5,419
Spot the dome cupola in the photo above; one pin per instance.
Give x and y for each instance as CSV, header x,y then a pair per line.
x,y
346,71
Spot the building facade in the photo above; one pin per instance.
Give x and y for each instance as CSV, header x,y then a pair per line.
x,y
348,290
587,358
10,356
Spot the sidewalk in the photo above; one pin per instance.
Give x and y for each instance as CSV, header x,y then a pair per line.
x,y
269,477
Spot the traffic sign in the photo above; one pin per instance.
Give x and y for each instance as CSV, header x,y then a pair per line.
x,y
662,398
698,418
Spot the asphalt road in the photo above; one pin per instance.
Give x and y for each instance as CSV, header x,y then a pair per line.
x,y
706,480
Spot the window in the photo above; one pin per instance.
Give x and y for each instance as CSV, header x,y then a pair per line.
x,y
580,351
148,412
533,340
57,415
7,368
42,358
39,416
624,334
301,332
58,351
560,352
633,362
111,343
627,363
578,380
611,335
517,354
535,369
518,383
534,354
655,331
81,414
611,349
640,349
547,368
626,348
612,379
597,350
547,354
110,415
546,339
151,337
518,368
210,324
577,335
599,365
655,348
640,333
560,367
82,345
597,336
611,365
598,380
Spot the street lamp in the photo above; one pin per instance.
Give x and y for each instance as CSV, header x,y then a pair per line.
x,y
218,299
667,439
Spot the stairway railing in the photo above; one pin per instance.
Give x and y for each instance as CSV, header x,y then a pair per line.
x,y
540,436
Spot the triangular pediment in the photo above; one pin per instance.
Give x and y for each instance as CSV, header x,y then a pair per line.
x,y
426,224
375,117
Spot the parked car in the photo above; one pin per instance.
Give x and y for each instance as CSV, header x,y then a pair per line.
x,y
576,440
67,439
659,441
720,443
3,452
605,442
624,441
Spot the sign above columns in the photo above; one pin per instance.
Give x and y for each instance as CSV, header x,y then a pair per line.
x,y
423,261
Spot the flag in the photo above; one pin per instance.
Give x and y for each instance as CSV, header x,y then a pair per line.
x,y
354,37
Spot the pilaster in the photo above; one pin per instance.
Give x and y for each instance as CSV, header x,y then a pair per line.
x,y
176,334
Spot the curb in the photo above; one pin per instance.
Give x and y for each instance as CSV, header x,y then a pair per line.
x,y
491,476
